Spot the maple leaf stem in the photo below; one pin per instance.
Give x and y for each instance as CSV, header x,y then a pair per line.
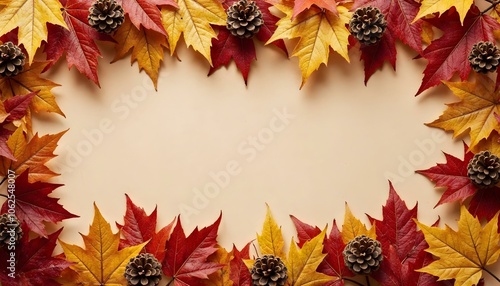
x,y
491,273
353,281
493,4
3,195
367,280
3,180
170,282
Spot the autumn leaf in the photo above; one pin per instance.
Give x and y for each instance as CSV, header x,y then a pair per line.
x,y
31,17
35,264
11,110
271,239
147,48
34,206
140,228
100,262
221,276
303,262
29,81
302,5
462,254
448,54
186,257
333,246
31,154
146,13
239,274
353,227
193,20
474,114
399,15
77,41
226,47
439,6
318,30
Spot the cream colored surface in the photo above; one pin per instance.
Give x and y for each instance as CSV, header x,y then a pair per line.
x,y
343,143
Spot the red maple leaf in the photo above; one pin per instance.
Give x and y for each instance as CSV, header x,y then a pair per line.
x,y
78,40
333,246
16,107
33,206
399,15
453,177
449,54
34,264
226,46
140,227
146,13
485,203
186,257
239,273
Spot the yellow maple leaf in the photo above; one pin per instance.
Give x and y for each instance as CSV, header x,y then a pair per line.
x,y
33,155
100,262
462,254
302,263
318,30
475,112
353,227
491,144
147,48
31,17
271,240
439,6
193,19
221,276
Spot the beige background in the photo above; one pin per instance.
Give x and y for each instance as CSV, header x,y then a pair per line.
x,y
343,144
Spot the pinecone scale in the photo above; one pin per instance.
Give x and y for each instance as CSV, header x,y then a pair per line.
x,y
363,255
484,57
106,16
368,25
484,169
12,59
144,270
10,230
269,270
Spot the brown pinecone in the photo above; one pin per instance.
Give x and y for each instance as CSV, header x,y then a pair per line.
x,y
106,16
244,19
484,57
368,25
11,59
10,230
483,169
362,255
144,270
269,270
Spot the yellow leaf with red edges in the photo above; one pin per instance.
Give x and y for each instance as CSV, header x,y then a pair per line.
x,y
303,262
271,239
475,113
439,6
32,154
31,17
100,262
462,254
147,48
193,19
317,30
353,227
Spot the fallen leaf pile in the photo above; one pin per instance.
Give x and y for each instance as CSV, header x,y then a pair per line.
x,y
444,36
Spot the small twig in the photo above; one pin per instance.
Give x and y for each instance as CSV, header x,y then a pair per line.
x,y
353,281
491,273
367,280
5,196
170,282
493,4
3,180
256,250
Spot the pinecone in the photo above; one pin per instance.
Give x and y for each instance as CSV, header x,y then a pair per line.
x,y
11,59
144,270
484,57
368,25
10,230
362,255
269,271
106,16
483,169
244,19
